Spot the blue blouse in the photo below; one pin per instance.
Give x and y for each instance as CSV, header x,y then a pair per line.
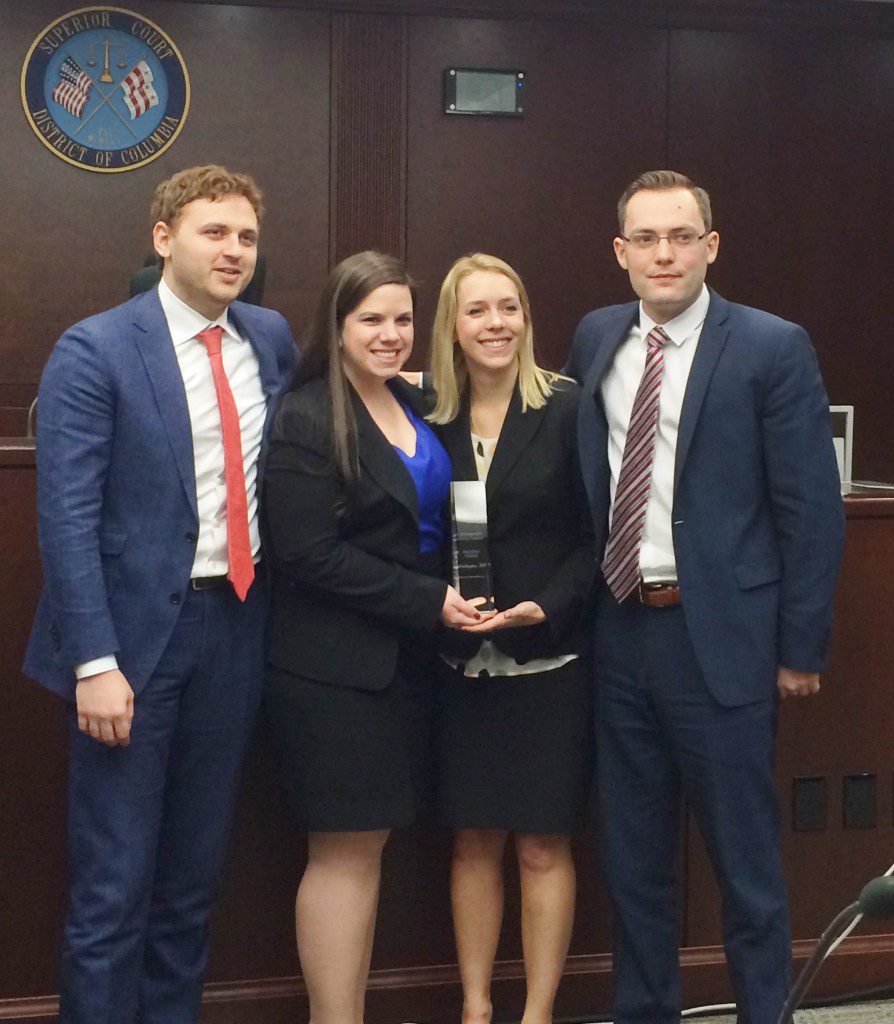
x,y
430,468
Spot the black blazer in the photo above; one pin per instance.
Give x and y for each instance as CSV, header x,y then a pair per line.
x,y
540,532
346,591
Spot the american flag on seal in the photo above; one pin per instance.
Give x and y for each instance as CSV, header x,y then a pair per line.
x,y
139,95
73,88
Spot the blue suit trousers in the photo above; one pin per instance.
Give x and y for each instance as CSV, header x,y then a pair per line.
x,y
663,738
148,823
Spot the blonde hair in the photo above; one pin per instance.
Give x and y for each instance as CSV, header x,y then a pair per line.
x,y
449,371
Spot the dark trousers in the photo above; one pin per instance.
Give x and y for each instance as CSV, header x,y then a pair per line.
x,y
148,823
663,737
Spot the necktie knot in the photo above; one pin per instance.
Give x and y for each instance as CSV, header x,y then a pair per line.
x,y
657,338
211,338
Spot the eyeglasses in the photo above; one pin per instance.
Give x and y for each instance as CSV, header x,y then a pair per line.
x,y
679,238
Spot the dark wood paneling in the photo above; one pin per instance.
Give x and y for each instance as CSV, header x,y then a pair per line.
x,y
260,103
866,16
13,420
538,191
794,138
369,80
32,758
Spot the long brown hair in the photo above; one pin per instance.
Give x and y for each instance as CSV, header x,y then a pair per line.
x,y
347,286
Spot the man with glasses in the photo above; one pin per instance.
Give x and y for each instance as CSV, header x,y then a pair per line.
x,y
707,454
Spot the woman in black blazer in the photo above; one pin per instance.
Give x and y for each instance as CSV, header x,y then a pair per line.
x,y
354,491
515,731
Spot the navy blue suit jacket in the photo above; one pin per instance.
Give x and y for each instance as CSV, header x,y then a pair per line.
x,y
116,486
758,522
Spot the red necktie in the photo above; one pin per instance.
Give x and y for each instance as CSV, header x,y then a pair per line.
x,y
241,566
621,563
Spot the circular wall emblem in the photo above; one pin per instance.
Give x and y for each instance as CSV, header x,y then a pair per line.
x,y
105,89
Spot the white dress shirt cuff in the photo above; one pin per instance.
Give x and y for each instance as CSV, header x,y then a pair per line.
x,y
92,668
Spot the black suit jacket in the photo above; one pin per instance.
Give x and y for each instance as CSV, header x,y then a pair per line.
x,y
346,591
540,533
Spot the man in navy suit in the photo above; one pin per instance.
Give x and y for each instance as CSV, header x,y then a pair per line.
x,y
152,417
706,448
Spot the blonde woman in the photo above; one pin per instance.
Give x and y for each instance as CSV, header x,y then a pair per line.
x,y
515,728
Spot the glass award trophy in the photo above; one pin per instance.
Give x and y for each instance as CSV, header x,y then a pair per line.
x,y
472,575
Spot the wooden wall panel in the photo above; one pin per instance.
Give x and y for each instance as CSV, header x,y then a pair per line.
x,y
539,191
369,68
32,758
793,134
868,16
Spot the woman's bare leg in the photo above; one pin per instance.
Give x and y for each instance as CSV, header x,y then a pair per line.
x,y
335,914
547,891
476,889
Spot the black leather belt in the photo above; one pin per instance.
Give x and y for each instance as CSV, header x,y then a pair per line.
x,y
208,582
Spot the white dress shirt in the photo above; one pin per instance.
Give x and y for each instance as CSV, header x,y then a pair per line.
x,y
241,366
619,386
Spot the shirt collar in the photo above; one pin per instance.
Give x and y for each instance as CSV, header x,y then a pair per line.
x,y
682,326
184,322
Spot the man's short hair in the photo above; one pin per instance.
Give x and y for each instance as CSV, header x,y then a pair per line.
x,y
209,182
665,181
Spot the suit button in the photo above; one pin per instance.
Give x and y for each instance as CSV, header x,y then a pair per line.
x,y
190,538
176,598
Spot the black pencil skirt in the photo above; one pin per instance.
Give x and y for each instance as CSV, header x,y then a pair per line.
x,y
515,752
353,760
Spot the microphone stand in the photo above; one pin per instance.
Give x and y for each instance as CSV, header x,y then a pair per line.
x,y
809,972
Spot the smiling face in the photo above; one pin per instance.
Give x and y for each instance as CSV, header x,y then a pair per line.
x,y
490,321
209,252
377,336
668,279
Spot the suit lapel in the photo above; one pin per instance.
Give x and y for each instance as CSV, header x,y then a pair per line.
x,y
710,344
268,371
382,462
592,428
153,340
616,333
458,442
518,430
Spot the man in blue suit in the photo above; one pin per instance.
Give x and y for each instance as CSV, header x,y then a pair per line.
x,y
706,448
152,418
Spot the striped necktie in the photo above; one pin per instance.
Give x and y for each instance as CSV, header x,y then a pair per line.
x,y
621,563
